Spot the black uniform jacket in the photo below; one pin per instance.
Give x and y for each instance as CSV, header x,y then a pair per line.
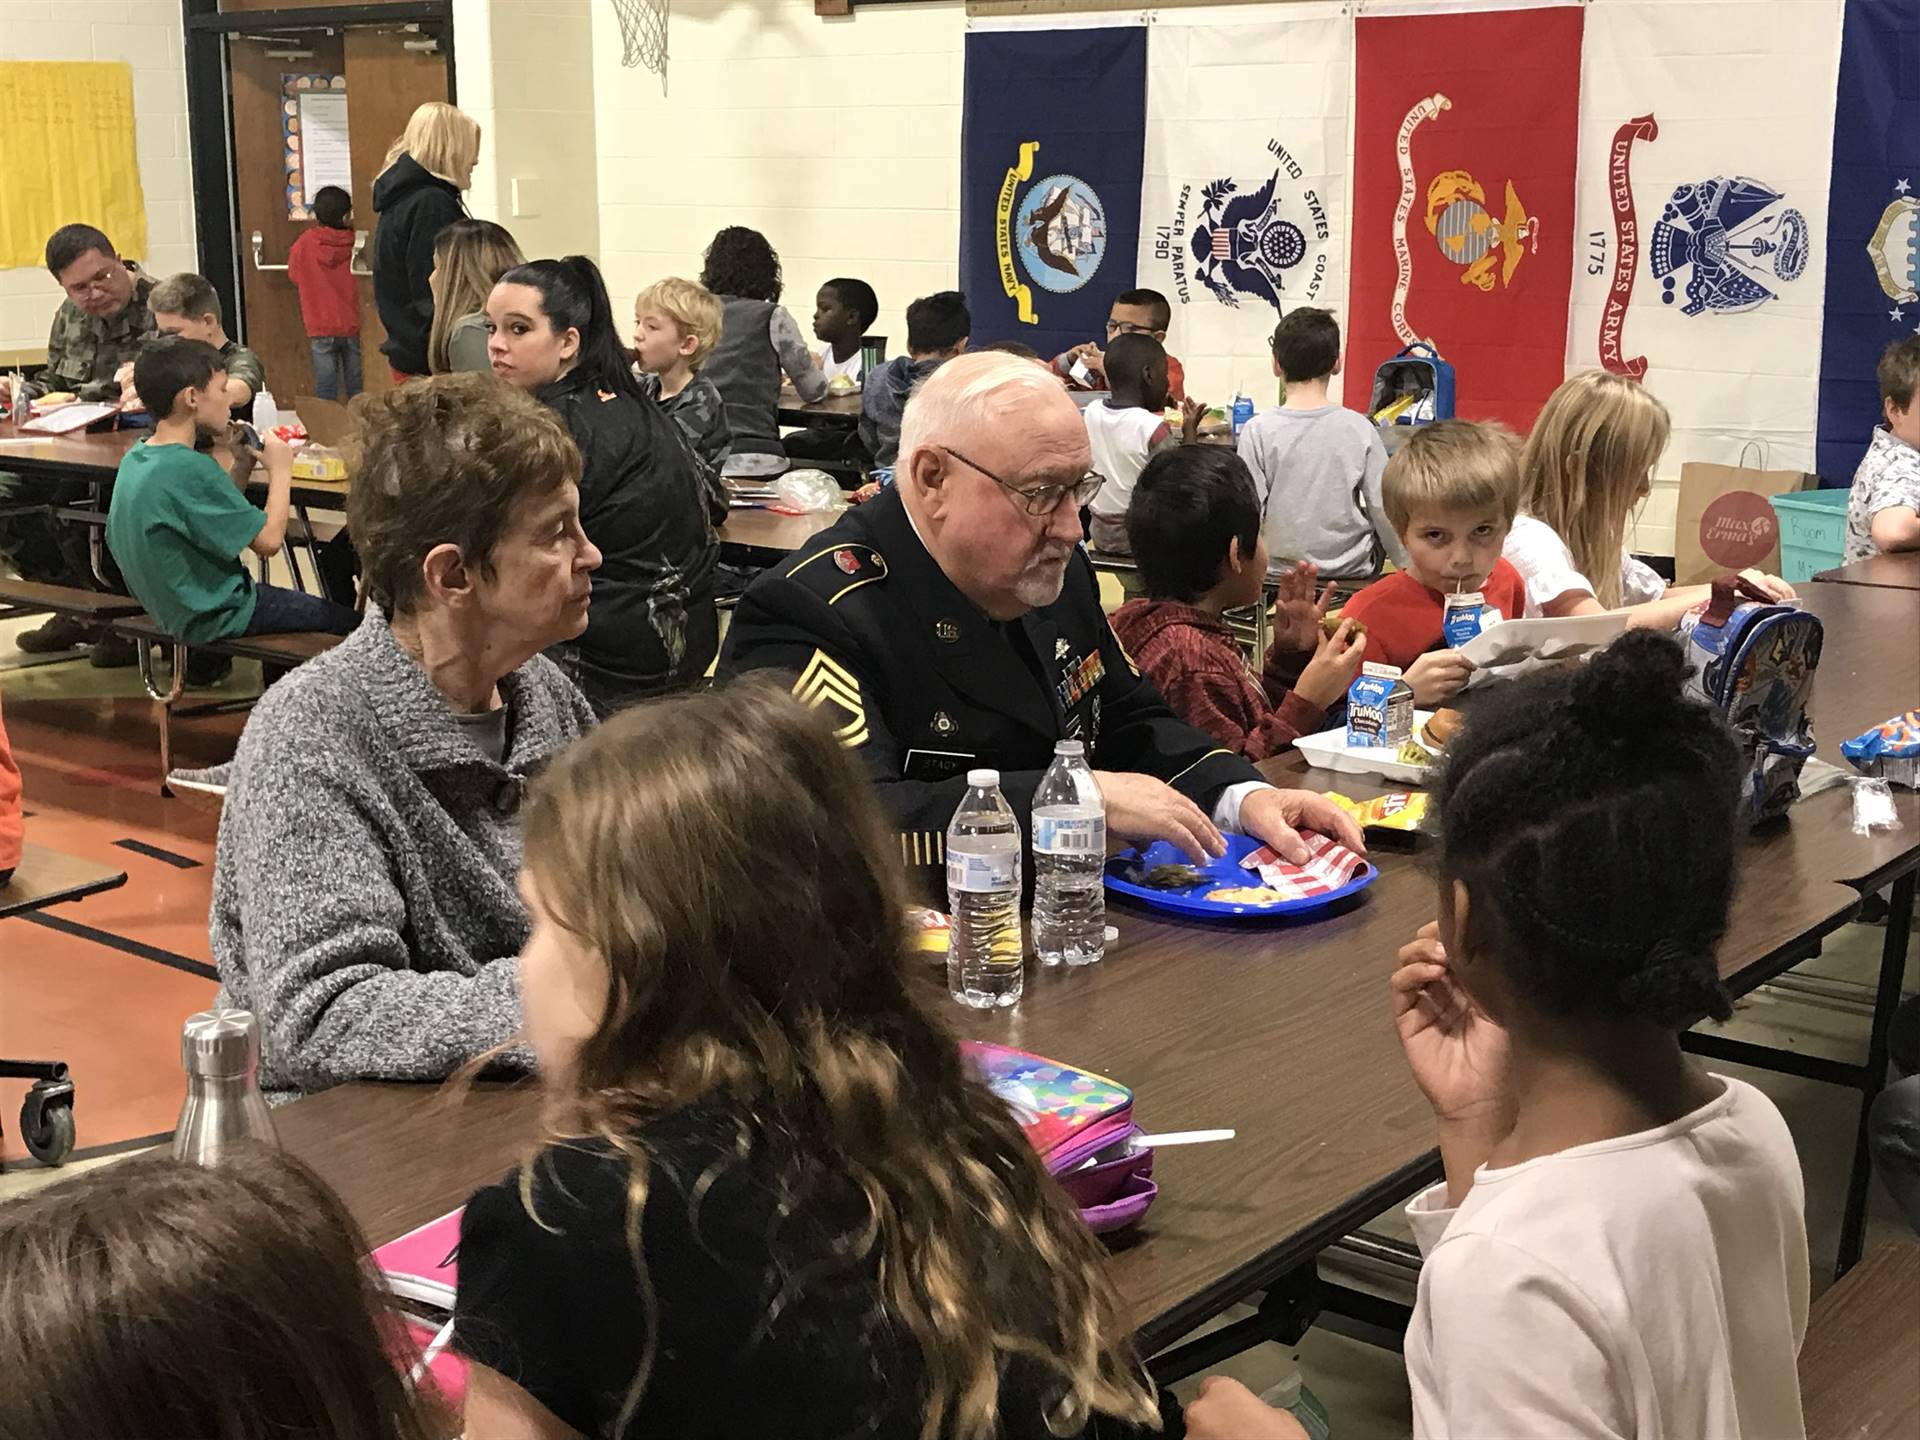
x,y
926,687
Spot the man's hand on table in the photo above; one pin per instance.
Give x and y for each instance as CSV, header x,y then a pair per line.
x,y
1275,817
1141,810
1226,1410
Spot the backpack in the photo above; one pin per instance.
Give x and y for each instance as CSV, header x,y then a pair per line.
x,y
1081,1125
1418,382
1754,662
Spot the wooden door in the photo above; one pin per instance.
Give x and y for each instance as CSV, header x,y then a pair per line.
x,y
389,73
272,327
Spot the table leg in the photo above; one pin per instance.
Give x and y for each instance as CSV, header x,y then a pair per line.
x,y
1893,969
320,586
97,539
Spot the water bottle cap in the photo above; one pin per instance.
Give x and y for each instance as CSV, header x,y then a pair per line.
x,y
218,1043
981,779
1070,748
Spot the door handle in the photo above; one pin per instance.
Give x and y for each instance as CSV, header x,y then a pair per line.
x,y
259,245
357,262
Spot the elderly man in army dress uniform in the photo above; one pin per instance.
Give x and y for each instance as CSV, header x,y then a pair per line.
x,y
954,622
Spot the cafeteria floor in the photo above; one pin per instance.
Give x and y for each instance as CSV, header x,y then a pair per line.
x,y
104,984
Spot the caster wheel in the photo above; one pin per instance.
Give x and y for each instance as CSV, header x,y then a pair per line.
x,y
46,1126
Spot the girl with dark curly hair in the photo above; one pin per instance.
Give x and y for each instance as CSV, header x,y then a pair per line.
x,y
1619,1246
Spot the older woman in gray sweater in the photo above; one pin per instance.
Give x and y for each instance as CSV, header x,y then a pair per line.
x,y
364,903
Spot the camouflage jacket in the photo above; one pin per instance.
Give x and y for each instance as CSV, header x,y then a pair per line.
x,y
242,364
84,353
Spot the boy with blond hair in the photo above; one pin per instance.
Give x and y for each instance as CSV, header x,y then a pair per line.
x,y
676,324
1451,494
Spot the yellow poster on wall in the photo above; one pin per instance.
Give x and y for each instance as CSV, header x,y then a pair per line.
x,y
67,155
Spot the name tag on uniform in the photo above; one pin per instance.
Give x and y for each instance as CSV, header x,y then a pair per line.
x,y
931,765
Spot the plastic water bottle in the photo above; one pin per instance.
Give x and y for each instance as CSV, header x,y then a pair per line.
x,y
1293,1396
1242,413
984,952
266,414
1069,861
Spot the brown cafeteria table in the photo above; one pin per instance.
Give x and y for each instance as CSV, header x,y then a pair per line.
x,y
1895,572
1281,1032
84,457
1860,1367
773,534
842,411
47,877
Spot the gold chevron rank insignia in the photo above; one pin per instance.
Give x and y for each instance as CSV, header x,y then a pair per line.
x,y
826,682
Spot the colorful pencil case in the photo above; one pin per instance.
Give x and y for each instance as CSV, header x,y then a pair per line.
x,y
1081,1126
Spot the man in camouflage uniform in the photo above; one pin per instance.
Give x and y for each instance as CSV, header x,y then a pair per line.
x,y
99,328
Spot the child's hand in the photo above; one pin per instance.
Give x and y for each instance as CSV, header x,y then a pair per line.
x,y
1437,675
1772,586
276,452
1458,1055
1296,615
1192,412
1226,1410
1332,668
129,397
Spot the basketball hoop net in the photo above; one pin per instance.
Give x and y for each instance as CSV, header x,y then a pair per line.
x,y
643,35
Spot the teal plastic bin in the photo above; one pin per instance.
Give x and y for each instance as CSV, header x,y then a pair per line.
x,y
1813,531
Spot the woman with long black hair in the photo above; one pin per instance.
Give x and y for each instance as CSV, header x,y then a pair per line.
x,y
652,626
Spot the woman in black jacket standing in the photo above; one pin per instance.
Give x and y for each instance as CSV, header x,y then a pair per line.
x,y
417,196
652,626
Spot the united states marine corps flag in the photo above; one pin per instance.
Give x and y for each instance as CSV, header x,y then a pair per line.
x,y
1051,145
1465,132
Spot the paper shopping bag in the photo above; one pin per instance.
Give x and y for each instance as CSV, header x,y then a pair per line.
x,y
1724,522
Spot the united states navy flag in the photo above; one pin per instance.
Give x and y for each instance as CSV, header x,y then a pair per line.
x,y
1051,152
1873,224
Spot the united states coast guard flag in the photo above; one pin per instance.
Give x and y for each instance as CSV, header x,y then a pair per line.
x,y
1873,223
1050,166
1243,208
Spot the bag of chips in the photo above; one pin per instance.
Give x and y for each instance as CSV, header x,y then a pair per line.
x,y
1889,751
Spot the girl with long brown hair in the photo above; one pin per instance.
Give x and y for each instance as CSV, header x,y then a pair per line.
x,y
469,257
157,1298
773,1200
1587,466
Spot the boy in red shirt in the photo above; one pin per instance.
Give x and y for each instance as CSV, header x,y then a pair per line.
x,y
1194,524
329,295
1451,495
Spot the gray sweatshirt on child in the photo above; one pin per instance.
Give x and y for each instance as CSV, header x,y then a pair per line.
x,y
363,892
1317,474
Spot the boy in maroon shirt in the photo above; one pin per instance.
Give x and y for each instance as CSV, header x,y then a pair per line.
x,y
1450,494
1194,525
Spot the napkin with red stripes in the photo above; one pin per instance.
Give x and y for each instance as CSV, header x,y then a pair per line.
x,y
1330,866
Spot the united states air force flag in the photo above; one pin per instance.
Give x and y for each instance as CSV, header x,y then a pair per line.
x,y
1873,223
1050,166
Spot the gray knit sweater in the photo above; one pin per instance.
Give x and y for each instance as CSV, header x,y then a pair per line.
x,y
363,893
